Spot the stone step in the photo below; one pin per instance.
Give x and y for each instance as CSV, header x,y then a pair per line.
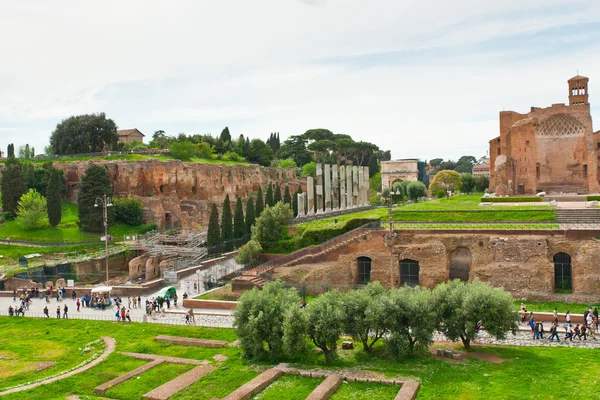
x,y
167,390
326,388
246,391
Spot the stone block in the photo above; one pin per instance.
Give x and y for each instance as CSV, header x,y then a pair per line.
x,y
347,345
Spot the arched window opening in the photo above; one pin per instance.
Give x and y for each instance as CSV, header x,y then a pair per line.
x,y
364,270
563,279
409,272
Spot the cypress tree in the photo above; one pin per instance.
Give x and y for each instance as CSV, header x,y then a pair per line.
x,y
95,183
269,196
260,205
53,198
213,237
226,221
13,185
250,216
239,226
287,197
277,194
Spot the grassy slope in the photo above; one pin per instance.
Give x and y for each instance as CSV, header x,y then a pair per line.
x,y
529,373
138,157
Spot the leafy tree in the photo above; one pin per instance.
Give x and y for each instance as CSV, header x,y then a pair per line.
x,y
287,163
13,185
468,183
364,315
54,197
260,153
463,308
343,148
277,193
249,253
483,182
270,225
325,322
225,135
436,162
295,148
239,225
95,183
160,140
31,211
129,210
294,329
213,236
183,151
204,150
84,134
410,318
24,152
319,134
269,200
446,180
260,205
309,169
449,165
250,215
416,190
361,150
259,319
226,221
465,164
287,197
322,148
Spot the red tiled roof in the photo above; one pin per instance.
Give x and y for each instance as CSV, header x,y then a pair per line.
x,y
127,132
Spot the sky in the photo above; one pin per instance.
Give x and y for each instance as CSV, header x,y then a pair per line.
x,y
424,79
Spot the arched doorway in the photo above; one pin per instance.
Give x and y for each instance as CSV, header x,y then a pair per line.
x,y
363,270
460,264
409,272
563,278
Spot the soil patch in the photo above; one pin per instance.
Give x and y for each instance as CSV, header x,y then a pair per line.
x,y
44,365
487,357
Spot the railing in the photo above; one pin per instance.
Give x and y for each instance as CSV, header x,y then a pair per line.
x,y
500,225
206,320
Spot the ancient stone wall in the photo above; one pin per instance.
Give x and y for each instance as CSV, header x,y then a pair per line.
x,y
520,263
176,193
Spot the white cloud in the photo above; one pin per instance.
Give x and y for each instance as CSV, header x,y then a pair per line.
x,y
289,66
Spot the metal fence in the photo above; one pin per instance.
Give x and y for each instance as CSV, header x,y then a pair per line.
x,y
204,320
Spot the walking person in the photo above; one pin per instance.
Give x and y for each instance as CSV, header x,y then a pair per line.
x,y
554,333
568,332
46,313
127,316
58,312
65,312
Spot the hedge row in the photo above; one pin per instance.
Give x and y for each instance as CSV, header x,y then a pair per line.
x,y
521,199
593,198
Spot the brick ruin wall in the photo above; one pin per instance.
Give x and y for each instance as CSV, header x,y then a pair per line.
x,y
176,193
522,264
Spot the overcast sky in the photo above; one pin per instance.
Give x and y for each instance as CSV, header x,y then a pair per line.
x,y
422,78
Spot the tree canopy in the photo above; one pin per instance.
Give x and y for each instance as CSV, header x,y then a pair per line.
x,y
89,133
94,184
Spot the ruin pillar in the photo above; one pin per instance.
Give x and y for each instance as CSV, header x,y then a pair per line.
x,y
367,200
327,187
355,187
319,196
348,186
300,199
361,184
335,197
310,195
342,194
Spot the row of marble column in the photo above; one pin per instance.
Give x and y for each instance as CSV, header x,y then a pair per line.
x,y
353,192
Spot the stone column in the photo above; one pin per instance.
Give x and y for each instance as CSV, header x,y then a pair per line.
x,y
300,205
367,200
310,195
355,187
319,189
361,185
336,193
348,186
342,195
327,187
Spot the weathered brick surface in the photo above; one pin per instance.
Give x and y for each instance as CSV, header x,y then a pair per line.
x,y
184,341
106,386
167,390
257,384
408,391
326,388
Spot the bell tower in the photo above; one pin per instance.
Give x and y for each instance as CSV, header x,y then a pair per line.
x,y
578,90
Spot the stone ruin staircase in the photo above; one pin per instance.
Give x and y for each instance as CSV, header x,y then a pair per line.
x,y
566,216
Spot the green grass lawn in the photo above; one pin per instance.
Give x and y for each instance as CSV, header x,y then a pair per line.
x,y
11,253
526,373
67,231
137,157
476,216
561,307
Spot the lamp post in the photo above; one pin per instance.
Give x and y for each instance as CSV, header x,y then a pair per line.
x,y
104,202
391,236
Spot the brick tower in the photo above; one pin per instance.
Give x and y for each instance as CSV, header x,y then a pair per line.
x,y
578,90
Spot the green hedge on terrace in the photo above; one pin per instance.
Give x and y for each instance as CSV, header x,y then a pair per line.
x,y
520,199
593,198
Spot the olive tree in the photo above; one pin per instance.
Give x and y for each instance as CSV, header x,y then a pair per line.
x,y
446,180
325,322
259,319
270,225
463,308
364,314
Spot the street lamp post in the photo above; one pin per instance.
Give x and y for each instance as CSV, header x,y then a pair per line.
x,y
390,237
104,202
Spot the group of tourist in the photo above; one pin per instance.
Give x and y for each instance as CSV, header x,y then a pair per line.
x,y
587,329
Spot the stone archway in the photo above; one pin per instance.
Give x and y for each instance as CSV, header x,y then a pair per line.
x,y
460,264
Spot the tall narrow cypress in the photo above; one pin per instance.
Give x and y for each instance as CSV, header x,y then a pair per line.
x,y
53,197
213,236
239,226
269,196
226,221
260,204
250,215
287,197
277,194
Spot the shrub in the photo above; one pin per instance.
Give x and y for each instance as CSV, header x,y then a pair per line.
x,y
287,163
183,151
440,193
232,156
325,320
249,253
31,211
311,237
294,329
270,226
593,198
129,210
520,199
